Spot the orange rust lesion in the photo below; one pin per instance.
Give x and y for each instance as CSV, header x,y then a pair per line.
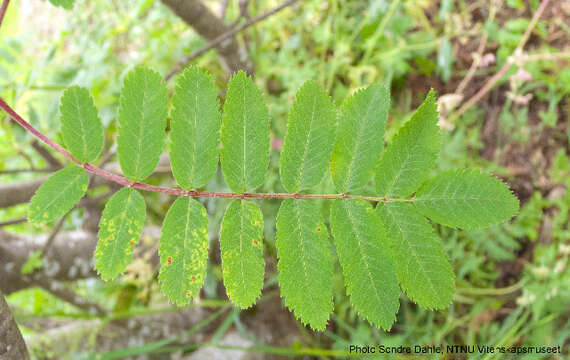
x,y
169,260
319,229
255,242
193,277
131,243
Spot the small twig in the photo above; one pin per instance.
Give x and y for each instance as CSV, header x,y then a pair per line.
x,y
48,157
19,171
3,10
84,202
516,57
74,299
215,42
54,233
15,221
479,54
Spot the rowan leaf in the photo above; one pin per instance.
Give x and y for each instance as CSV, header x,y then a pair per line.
x,y
80,125
366,260
241,245
183,250
422,265
411,155
194,129
305,263
58,195
245,135
308,145
119,231
142,123
360,139
66,4
466,199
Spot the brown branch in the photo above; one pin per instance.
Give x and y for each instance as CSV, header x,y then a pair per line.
x,y
197,15
75,300
19,171
15,221
12,345
179,192
54,233
223,37
48,157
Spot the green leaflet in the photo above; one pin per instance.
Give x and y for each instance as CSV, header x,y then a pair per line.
x,y
183,250
411,154
66,4
422,265
366,260
305,263
360,138
119,231
58,195
241,245
80,125
195,129
245,135
142,120
311,132
466,199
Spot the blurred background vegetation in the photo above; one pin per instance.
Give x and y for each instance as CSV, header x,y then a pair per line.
x,y
513,280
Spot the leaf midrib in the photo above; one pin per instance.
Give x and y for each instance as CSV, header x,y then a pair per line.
x,y
194,143
363,255
141,125
302,245
82,129
412,251
63,191
185,245
301,170
121,216
357,143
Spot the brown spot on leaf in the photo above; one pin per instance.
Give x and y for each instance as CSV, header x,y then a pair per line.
x,y
169,260
255,242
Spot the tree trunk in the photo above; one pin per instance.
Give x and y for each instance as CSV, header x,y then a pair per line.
x,y
12,345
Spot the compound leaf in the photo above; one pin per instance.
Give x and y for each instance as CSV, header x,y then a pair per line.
x,y
183,250
58,195
411,154
305,263
311,133
241,244
245,135
466,199
195,129
366,260
360,138
66,4
142,120
119,231
422,265
80,125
